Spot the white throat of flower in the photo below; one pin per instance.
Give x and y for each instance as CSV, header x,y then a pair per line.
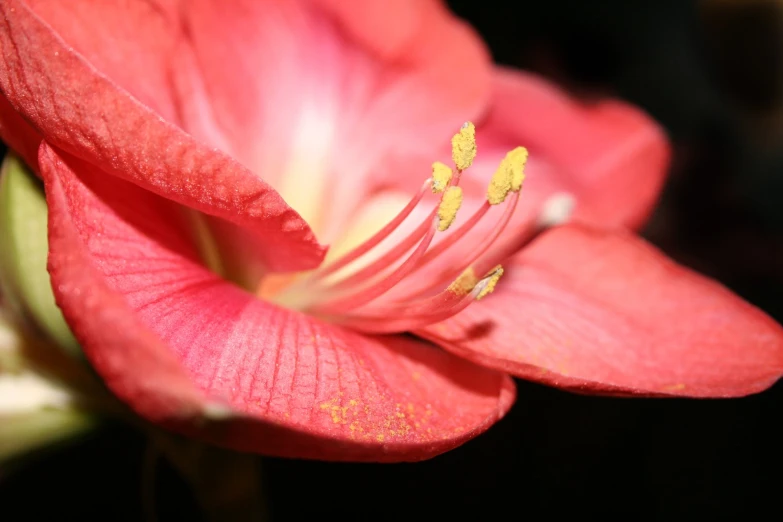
x,y
353,288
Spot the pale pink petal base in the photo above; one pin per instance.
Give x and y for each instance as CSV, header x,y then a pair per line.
x,y
326,91
606,313
180,345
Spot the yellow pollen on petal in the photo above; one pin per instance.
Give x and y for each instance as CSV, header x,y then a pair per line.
x,y
508,177
466,282
463,146
489,282
449,205
441,177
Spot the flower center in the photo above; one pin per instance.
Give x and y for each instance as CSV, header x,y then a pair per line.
x,y
379,287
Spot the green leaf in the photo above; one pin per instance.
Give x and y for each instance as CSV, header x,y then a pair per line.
x,y
24,247
226,483
23,433
45,395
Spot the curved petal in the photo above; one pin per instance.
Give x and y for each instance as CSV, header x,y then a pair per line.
x,y
48,82
390,29
176,342
137,58
607,158
604,312
610,155
343,96
18,135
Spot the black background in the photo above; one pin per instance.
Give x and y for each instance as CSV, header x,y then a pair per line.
x,y
713,76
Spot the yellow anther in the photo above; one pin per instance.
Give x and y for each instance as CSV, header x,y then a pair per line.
x,y
441,176
500,185
508,177
517,159
449,205
466,282
489,282
463,146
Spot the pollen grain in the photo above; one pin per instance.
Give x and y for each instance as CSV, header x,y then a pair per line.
x,y
463,146
466,282
489,282
448,208
441,177
508,177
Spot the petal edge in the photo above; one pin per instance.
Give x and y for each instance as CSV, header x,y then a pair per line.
x,y
605,312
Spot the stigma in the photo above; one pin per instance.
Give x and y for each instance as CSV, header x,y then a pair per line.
x,y
416,280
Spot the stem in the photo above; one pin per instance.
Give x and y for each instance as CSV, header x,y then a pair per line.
x,y
148,479
228,487
225,483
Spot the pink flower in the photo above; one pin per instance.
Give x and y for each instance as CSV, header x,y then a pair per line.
x,y
243,136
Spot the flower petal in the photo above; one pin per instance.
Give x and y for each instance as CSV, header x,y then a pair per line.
x,y
390,29
612,157
175,342
606,313
607,161
47,82
17,133
343,98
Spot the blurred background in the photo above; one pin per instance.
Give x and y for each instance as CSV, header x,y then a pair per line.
x,y
711,72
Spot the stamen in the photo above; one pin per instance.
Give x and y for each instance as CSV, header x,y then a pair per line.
x,y
557,210
475,253
360,298
448,208
456,235
388,258
377,237
406,316
508,177
499,186
445,300
463,146
517,159
445,213
464,283
489,282
368,294
441,177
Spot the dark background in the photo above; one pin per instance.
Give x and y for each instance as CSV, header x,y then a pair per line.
x,y
712,73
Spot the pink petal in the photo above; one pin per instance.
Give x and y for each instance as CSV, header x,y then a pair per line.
x,y
129,42
609,157
17,134
48,83
329,91
605,312
392,29
612,157
176,342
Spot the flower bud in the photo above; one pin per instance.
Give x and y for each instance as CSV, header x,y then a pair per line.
x,y
24,280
